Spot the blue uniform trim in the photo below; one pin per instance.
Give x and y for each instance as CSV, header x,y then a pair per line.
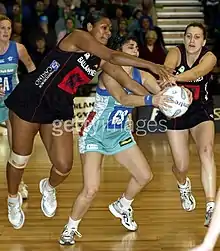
x,y
136,76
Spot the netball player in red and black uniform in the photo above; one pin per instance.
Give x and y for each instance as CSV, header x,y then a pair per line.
x,y
193,63
45,97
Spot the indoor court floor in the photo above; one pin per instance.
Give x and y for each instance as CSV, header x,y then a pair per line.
x,y
163,224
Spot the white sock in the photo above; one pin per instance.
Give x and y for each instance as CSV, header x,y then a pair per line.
x,y
73,223
48,187
13,200
125,202
209,205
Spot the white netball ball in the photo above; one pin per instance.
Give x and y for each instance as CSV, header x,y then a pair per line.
x,y
180,103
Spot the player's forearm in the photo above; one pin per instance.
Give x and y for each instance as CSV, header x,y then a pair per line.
x,y
134,87
214,228
187,76
133,100
128,60
153,88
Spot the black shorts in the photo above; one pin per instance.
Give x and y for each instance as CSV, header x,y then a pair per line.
x,y
196,114
34,105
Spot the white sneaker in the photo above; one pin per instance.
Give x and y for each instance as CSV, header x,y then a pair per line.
x,y
48,201
15,213
23,190
67,236
187,199
126,216
208,216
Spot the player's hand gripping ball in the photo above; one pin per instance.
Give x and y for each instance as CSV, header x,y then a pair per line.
x,y
181,102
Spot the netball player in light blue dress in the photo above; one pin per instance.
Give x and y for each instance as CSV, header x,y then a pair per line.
x,y
105,132
10,53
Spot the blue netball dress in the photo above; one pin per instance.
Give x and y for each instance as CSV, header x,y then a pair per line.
x,y
106,129
8,76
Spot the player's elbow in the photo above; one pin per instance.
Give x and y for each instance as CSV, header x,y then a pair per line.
x,y
113,57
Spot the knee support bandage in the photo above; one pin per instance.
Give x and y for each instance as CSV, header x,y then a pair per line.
x,y
18,161
61,174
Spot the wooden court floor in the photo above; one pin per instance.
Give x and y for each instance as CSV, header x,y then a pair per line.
x,y
163,225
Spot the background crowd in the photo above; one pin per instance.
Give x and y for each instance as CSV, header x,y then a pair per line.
x,y
40,25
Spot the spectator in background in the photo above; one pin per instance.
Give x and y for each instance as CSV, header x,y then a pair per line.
x,y
211,12
51,11
68,29
45,31
16,32
16,14
134,22
92,9
146,24
150,10
3,10
152,49
119,14
40,50
67,12
114,41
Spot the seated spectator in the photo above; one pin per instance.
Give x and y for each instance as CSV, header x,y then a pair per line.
x,y
69,28
16,32
211,13
134,22
67,13
118,15
45,31
152,50
3,10
150,10
116,39
40,50
51,11
146,24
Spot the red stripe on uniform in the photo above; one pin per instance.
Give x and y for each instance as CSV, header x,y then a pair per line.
x,y
87,122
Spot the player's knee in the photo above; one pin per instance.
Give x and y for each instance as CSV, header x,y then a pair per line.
x,y
181,167
206,151
145,178
90,192
63,167
18,161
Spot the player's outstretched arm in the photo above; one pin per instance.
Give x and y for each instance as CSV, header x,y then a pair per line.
x,y
120,76
150,82
205,66
115,89
171,61
86,42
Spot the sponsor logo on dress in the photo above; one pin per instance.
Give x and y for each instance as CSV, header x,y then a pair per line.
x,y
52,68
84,64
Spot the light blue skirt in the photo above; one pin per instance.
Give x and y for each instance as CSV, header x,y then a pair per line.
x,y
4,111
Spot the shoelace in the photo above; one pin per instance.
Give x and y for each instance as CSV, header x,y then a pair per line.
x,y
128,214
209,213
185,195
23,187
13,209
70,232
51,196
